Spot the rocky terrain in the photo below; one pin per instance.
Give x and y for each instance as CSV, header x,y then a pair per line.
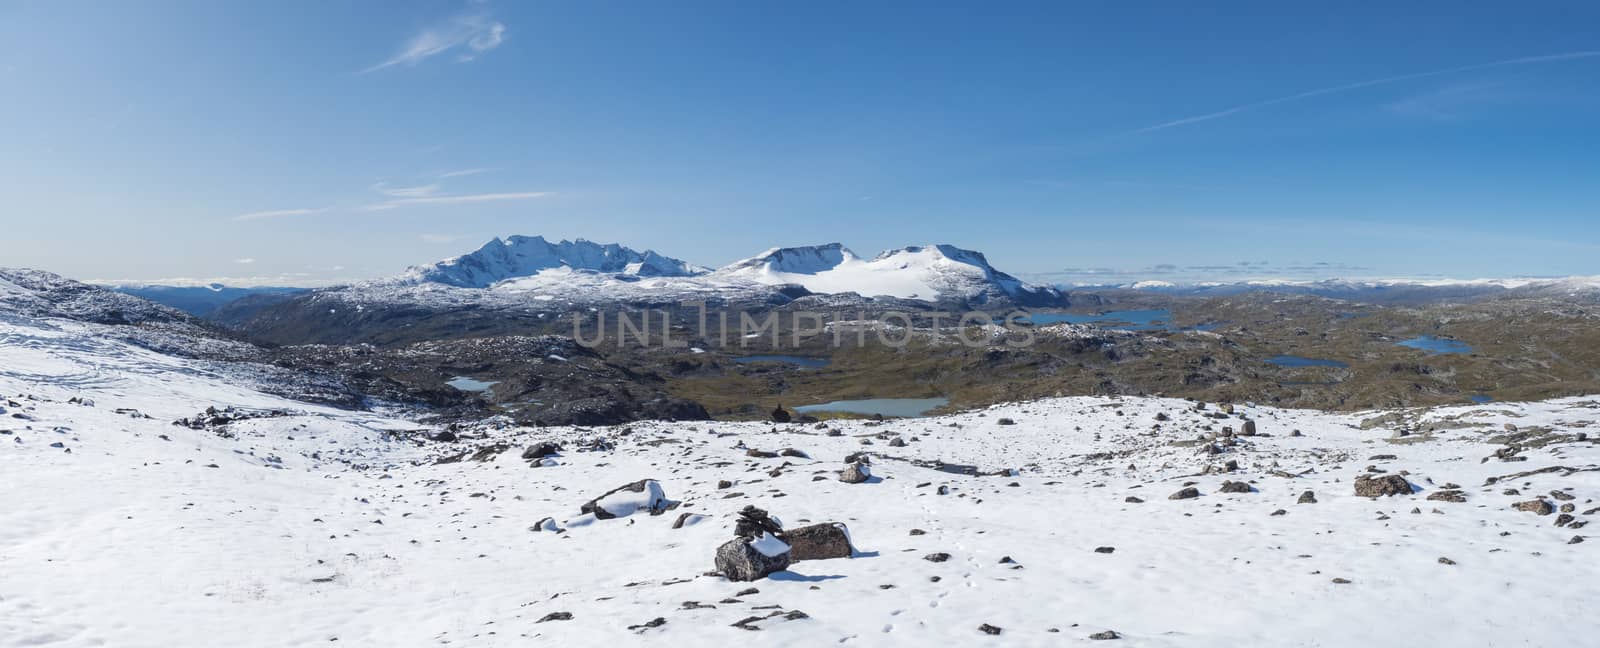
x,y
154,501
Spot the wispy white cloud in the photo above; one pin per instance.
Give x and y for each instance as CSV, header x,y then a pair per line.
x,y
1319,92
472,33
1452,102
244,261
422,191
276,213
462,172
453,200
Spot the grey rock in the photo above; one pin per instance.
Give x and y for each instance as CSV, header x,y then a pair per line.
x,y
819,542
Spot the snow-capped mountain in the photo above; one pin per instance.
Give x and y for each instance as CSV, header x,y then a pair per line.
x,y
525,256
927,273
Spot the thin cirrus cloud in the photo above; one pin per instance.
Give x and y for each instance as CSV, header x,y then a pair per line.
x,y
455,200
421,191
470,35
276,213
1319,92
462,172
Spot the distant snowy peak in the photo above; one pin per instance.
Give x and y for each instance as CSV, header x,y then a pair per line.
x,y
524,256
810,259
928,273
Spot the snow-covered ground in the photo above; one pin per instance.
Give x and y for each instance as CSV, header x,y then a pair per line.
x,y
310,525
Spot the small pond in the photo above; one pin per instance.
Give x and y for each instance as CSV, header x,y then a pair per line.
x,y
468,384
889,407
800,361
1436,345
1297,361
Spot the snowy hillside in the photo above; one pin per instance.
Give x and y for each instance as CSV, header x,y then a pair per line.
x,y
260,521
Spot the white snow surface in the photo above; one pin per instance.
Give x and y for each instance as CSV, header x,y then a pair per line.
x,y
329,526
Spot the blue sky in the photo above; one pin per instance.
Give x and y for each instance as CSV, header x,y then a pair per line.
x,y
308,142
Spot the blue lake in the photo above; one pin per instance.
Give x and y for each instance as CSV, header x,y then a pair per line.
x,y
787,359
467,384
1436,345
1297,361
1129,320
1480,398
901,407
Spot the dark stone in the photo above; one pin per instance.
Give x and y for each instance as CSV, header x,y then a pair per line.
x,y
819,542
855,473
1104,550
1537,507
1448,496
1187,493
1105,636
938,557
556,616
1307,497
1369,486
781,415
541,450
1235,487
989,629
739,561
1005,421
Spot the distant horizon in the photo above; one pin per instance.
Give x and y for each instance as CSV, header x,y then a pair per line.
x,y
1243,272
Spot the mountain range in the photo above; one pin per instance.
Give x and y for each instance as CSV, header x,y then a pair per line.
x,y
585,273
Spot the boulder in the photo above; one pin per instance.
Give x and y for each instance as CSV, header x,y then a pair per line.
x,y
819,542
622,501
1307,497
1235,487
781,415
541,450
1187,493
856,473
1536,506
1370,486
